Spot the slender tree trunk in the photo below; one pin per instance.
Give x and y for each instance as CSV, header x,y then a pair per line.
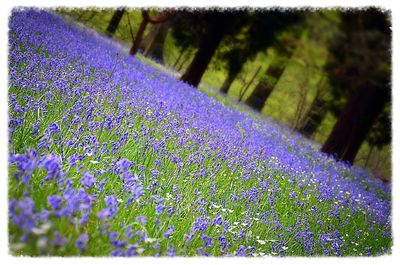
x,y
139,35
150,36
228,82
116,18
263,89
371,149
161,18
246,86
154,41
315,117
208,45
187,57
354,122
179,57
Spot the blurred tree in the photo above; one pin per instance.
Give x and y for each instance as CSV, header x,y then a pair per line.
x,y
316,112
153,43
359,69
262,32
204,30
161,18
265,86
321,28
114,22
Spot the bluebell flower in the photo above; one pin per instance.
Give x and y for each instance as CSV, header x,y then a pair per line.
x,y
58,240
55,202
169,231
117,253
73,159
82,241
141,219
124,164
26,164
170,251
101,184
131,251
88,180
111,209
128,233
84,219
54,128
208,242
217,220
52,165
160,209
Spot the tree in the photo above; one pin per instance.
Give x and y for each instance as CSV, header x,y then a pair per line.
x,y
114,22
211,26
262,33
264,88
321,27
153,43
316,112
161,18
360,67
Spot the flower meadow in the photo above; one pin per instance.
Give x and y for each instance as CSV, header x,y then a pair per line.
x,y
109,156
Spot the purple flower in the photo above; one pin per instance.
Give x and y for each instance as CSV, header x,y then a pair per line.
x,y
137,191
241,251
124,164
73,159
170,251
100,186
25,164
208,242
58,240
52,165
117,253
141,219
160,209
368,251
131,251
217,220
113,236
84,219
82,241
55,202
202,252
128,233
112,207
88,180
54,129
169,231
22,213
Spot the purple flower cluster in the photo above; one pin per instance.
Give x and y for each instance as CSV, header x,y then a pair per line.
x,y
111,208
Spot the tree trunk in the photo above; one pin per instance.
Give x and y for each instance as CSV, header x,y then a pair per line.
x,y
315,117
208,45
161,18
139,35
354,122
155,44
228,82
150,36
116,18
179,57
263,89
246,86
